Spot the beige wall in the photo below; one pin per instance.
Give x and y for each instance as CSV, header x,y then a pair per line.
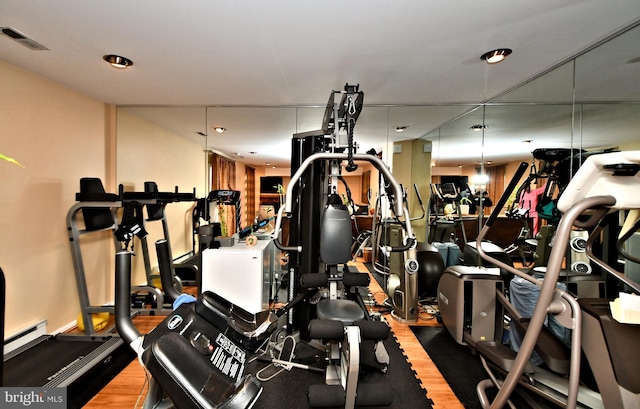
x,y
60,136
146,152
412,165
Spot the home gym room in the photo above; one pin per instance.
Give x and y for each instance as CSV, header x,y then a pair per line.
x,y
208,134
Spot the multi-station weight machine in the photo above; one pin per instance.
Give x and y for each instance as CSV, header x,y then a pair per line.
x,y
316,167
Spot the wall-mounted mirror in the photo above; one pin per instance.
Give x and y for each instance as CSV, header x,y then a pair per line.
x,y
590,102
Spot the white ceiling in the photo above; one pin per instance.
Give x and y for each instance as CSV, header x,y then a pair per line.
x,y
256,61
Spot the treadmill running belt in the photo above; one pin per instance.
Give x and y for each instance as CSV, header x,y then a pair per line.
x,y
82,365
44,362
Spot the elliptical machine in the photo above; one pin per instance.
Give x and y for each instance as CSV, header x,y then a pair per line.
x,y
605,183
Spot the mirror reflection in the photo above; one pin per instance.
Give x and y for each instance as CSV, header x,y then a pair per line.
x,y
587,103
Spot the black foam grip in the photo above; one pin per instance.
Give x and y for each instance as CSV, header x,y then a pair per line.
x,y
326,329
373,330
374,394
326,396
355,279
314,280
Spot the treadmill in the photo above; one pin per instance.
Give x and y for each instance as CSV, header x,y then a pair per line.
x,y
81,363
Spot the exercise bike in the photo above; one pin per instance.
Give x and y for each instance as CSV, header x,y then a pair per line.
x,y
192,361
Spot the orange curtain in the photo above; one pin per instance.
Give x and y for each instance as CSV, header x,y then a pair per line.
x,y
223,177
250,194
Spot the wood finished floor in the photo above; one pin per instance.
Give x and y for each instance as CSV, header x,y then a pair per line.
x,y
128,388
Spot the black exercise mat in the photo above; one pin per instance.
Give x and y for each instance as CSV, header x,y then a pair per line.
x,y
463,370
289,389
459,367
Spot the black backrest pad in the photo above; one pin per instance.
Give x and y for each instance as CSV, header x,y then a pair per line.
x,y
95,218
335,235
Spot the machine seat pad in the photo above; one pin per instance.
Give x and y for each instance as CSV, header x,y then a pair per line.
x,y
340,310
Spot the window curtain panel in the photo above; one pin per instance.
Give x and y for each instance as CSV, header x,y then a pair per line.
x,y
223,177
250,194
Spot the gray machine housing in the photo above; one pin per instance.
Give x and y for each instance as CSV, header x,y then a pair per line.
x,y
468,305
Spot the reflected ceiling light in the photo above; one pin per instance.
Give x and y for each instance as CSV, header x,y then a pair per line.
x,y
219,129
117,61
479,179
495,56
400,128
478,128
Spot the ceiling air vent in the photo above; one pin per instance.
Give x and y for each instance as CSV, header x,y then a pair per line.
x,y
22,39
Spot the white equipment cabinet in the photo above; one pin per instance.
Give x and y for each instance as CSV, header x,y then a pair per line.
x,y
241,274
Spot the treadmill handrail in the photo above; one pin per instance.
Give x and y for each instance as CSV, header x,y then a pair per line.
x,y
128,332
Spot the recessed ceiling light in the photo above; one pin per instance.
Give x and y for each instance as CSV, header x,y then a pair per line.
x,y
527,141
477,128
219,129
117,61
400,128
495,56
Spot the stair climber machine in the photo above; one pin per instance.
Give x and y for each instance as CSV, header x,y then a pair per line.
x,y
473,302
319,247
